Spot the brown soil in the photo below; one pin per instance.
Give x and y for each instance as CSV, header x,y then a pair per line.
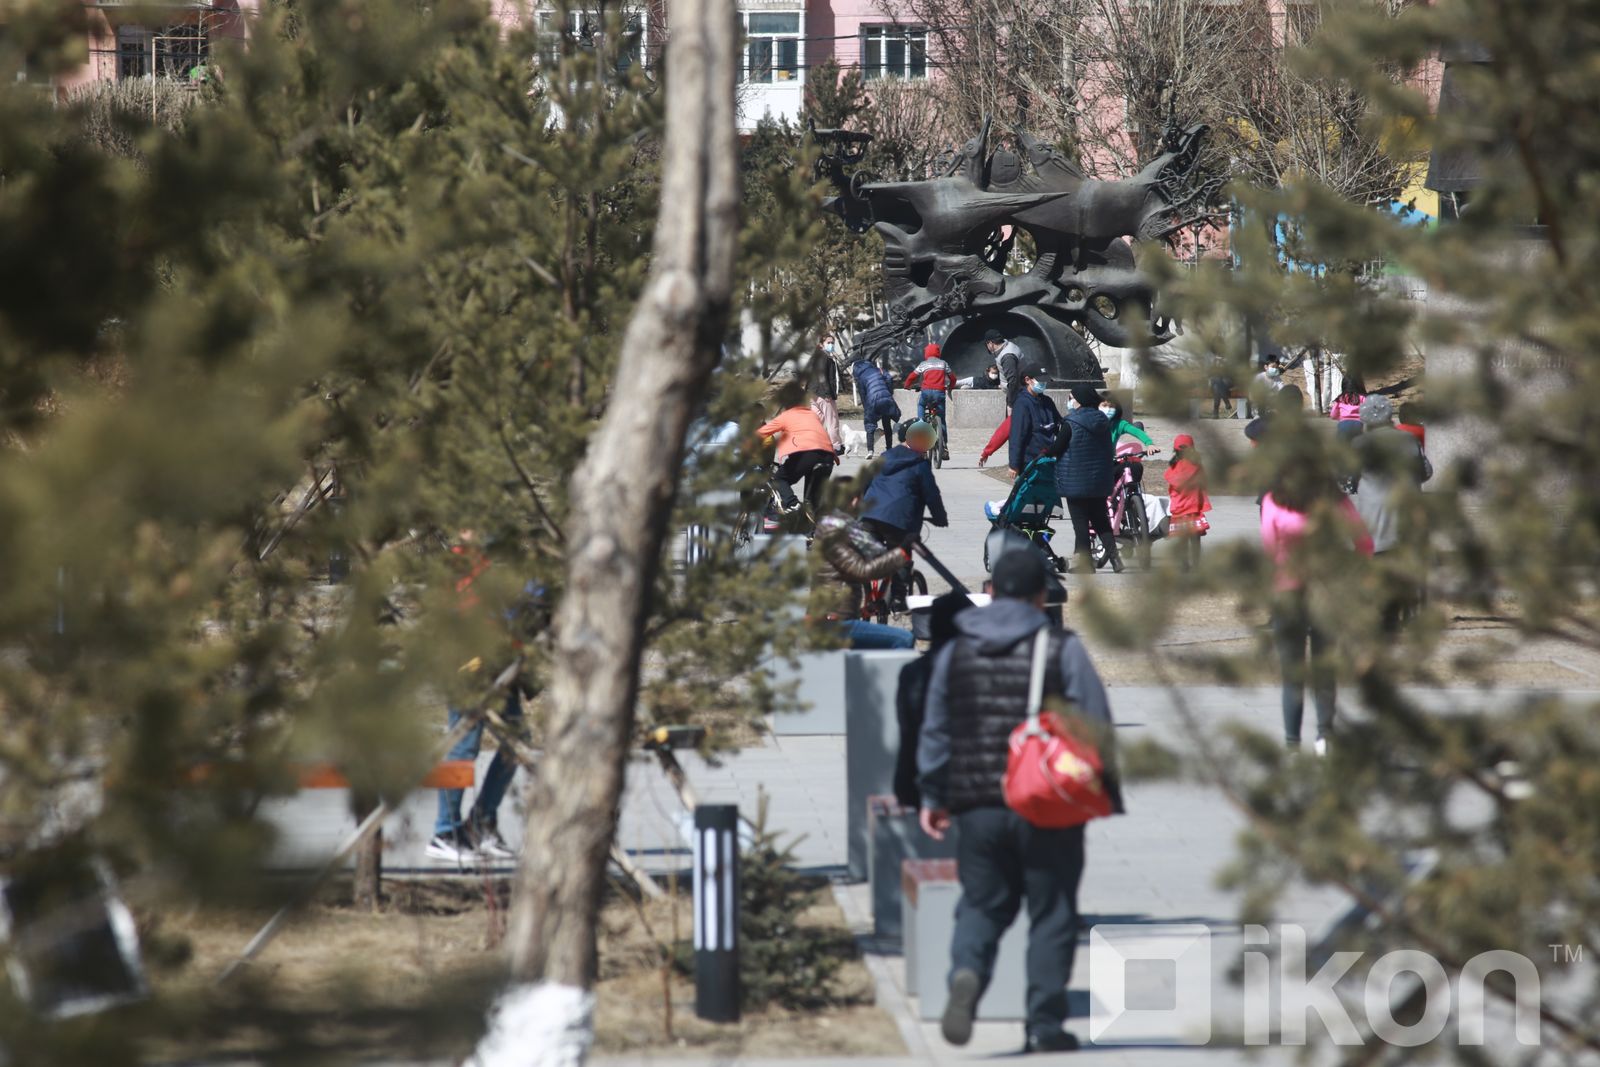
x,y
414,980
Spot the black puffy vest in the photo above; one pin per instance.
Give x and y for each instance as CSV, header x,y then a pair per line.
x,y
987,698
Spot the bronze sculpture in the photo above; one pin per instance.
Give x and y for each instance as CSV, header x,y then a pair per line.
x,y
947,240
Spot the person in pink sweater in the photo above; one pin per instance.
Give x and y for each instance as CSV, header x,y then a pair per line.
x,y
1346,407
1288,514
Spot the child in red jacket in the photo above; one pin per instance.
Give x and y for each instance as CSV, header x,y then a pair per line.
x,y
1186,491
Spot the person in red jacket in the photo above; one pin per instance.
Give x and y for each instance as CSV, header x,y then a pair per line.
x,y
1186,492
936,380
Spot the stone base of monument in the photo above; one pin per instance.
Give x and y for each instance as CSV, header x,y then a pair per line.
x,y
930,894
872,741
894,836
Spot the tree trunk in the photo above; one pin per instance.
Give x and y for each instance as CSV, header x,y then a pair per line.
x,y
621,502
369,860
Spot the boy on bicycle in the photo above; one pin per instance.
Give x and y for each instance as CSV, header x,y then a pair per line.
x,y
903,488
936,381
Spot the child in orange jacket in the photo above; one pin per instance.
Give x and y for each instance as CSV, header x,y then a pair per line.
x,y
1186,491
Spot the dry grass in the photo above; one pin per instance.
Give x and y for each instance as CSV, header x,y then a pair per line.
x,y
632,1014
414,980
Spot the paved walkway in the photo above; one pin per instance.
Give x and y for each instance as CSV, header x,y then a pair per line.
x,y
1159,864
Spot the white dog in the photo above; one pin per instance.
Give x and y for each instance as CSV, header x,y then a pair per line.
x,y
855,440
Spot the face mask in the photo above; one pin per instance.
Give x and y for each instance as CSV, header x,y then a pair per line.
x,y
828,347
1037,388
1108,412
1274,372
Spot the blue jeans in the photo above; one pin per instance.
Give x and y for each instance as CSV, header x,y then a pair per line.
x,y
934,400
875,636
496,780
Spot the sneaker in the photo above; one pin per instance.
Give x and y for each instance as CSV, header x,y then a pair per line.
x,y
490,845
452,848
1051,1041
961,1008
789,507
1320,746
1117,565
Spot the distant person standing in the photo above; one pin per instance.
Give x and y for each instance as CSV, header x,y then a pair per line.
x,y
825,377
1008,360
977,694
1186,493
1388,492
878,409
1287,515
1264,385
1035,420
1346,407
1086,474
464,840
1221,388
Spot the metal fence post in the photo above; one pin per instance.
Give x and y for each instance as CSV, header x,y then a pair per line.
x,y
716,912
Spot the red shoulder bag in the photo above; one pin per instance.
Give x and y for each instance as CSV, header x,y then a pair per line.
x,y
1053,779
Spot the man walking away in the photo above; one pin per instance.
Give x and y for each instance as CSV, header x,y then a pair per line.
x,y
825,391
977,695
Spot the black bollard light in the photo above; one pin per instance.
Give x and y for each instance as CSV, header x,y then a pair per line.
x,y
716,913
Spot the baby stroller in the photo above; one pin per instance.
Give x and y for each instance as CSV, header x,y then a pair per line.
x,y
1027,511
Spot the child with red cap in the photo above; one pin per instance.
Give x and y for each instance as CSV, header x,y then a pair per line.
x,y
1186,492
936,379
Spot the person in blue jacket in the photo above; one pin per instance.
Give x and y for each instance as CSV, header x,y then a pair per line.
x,y
1087,473
878,408
903,489
1035,420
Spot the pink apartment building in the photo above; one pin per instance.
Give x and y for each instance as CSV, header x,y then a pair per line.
x,y
128,40
786,41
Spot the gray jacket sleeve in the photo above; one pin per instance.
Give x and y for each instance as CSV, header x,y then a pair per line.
x,y
1088,692
933,747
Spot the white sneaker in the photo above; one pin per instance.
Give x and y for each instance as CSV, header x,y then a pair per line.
x,y
1320,746
492,846
451,848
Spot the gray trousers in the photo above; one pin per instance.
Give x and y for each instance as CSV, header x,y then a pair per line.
x,y
1003,860
1294,633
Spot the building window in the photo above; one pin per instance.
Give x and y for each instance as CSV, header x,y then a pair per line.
x,y
894,52
587,29
178,50
773,49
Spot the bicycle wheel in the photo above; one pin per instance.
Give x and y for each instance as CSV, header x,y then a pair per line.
x,y
1136,525
919,583
938,442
